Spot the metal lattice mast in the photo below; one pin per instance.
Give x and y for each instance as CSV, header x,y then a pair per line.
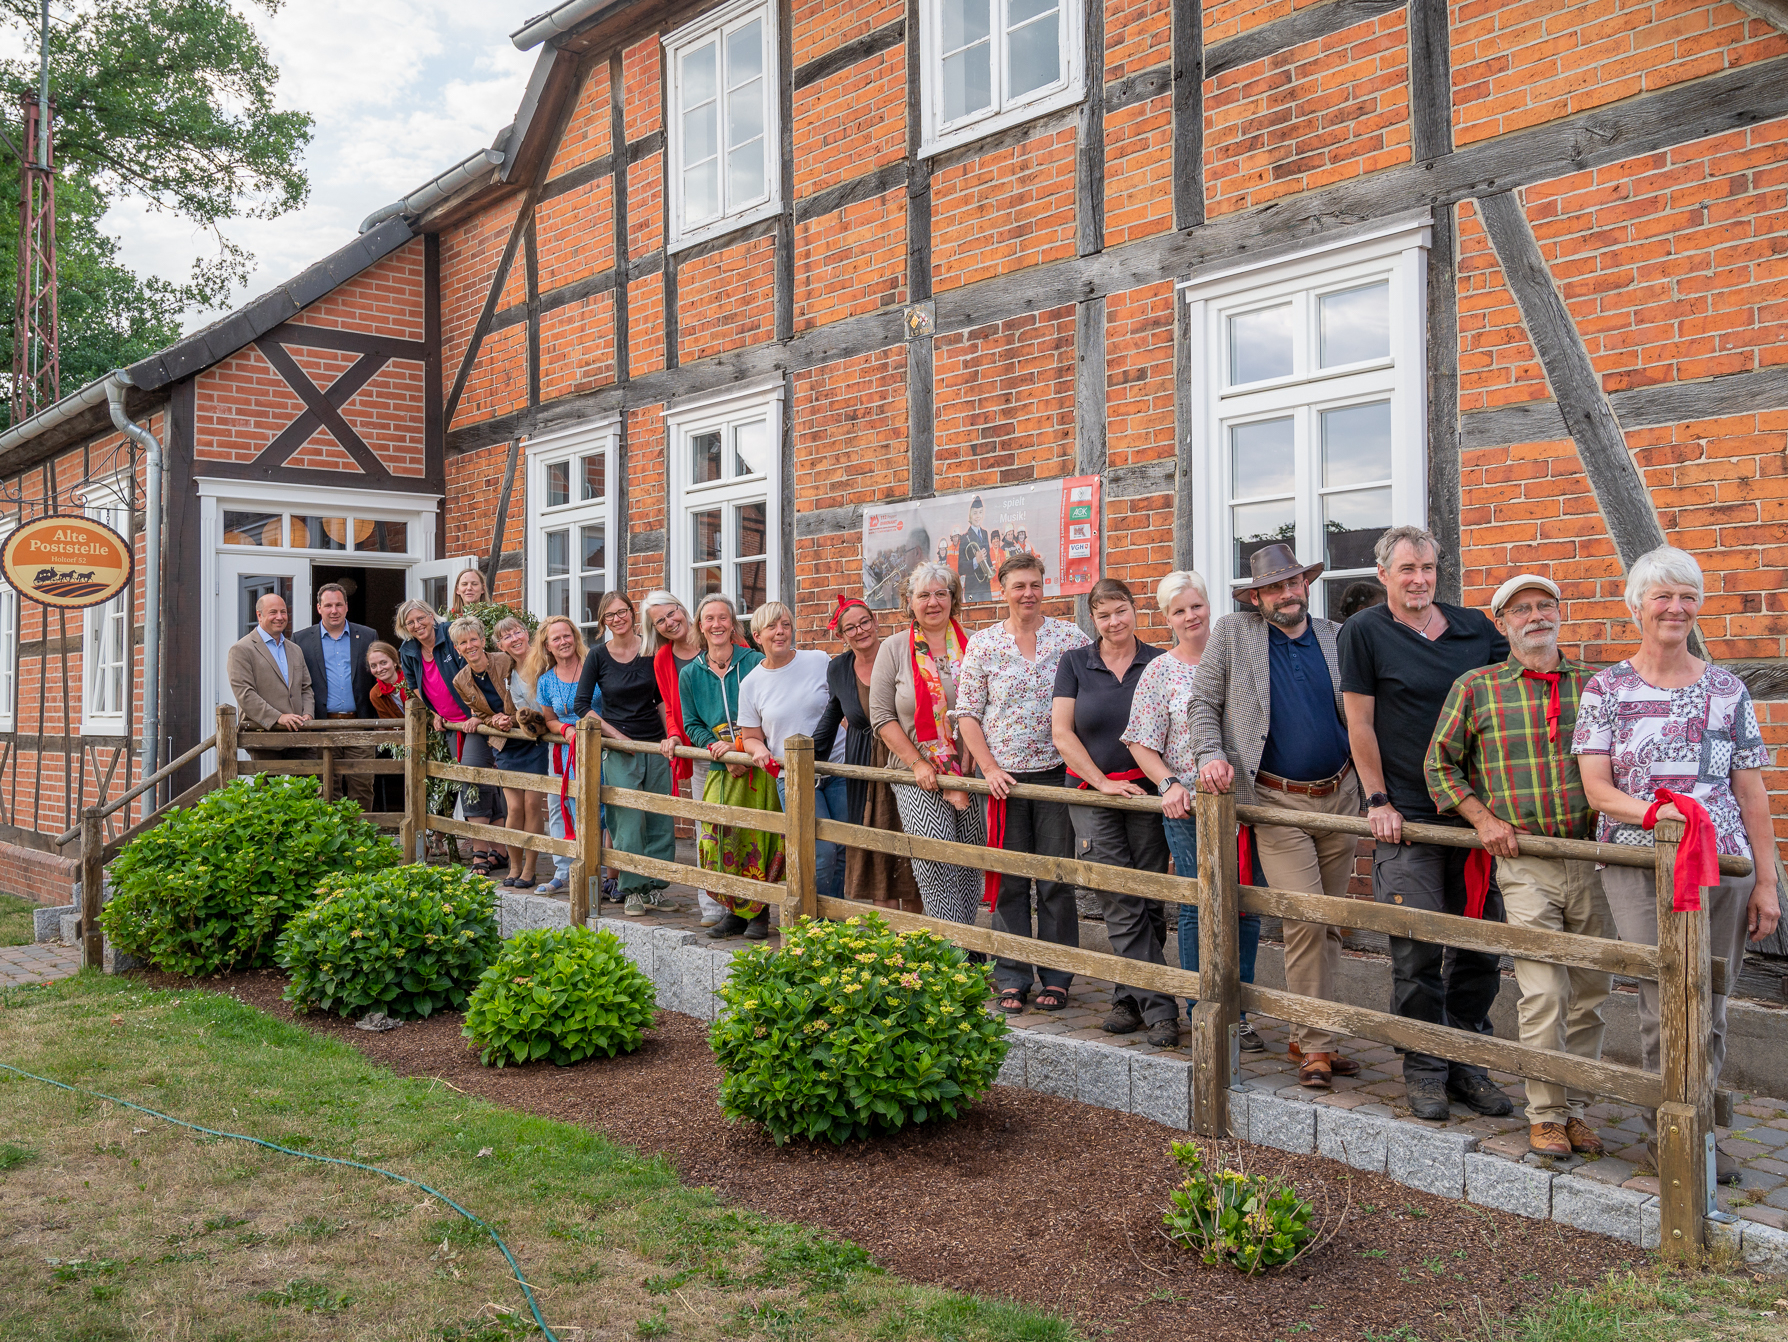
x,y
36,334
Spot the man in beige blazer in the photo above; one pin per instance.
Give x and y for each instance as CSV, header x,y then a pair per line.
x,y
269,678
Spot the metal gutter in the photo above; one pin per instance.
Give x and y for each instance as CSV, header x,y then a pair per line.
x,y
60,413
438,188
561,19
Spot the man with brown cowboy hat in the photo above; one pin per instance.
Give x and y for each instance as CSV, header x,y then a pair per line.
x,y
1267,718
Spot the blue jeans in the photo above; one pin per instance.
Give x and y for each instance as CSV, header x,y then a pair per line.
x,y
555,826
1182,842
828,858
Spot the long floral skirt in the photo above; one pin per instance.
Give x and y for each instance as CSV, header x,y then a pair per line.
x,y
751,853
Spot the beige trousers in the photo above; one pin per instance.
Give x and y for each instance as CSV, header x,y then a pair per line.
x,y
1560,1007
1310,864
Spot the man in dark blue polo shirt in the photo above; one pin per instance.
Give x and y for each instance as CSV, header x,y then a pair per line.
x,y
1398,661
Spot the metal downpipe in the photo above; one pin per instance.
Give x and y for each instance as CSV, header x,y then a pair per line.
x,y
152,509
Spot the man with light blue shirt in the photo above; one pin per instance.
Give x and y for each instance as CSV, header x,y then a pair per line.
x,y
271,687
335,652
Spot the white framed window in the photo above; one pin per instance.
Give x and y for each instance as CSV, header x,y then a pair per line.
x,y
726,474
9,652
105,654
990,64
1308,406
571,522
722,114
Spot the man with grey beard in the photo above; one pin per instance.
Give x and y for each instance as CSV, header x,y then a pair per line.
x,y
1266,718
1501,760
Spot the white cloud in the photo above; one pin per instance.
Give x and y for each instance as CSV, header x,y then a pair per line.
x,y
399,90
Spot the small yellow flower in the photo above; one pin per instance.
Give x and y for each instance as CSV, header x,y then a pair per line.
x,y
751,1004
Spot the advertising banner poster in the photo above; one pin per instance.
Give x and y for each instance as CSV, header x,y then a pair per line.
x,y
973,533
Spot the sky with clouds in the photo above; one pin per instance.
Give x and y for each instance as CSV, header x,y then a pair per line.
x,y
399,89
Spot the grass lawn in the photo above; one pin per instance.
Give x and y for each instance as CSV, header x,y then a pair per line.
x,y
16,926
118,1226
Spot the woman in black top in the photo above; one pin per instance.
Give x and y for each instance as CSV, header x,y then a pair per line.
x,y
883,878
632,709
1093,689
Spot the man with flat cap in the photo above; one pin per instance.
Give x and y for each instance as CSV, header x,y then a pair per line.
x,y
1267,718
1501,760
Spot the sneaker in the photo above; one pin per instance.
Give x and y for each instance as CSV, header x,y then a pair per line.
x,y
1428,1098
655,900
1250,1039
1124,1019
730,925
1480,1094
634,907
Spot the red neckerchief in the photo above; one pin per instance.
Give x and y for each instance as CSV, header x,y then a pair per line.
x,y
1551,678
996,838
1697,858
664,671
1478,866
1127,776
560,753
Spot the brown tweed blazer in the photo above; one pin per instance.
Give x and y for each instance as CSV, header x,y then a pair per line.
x,y
1232,694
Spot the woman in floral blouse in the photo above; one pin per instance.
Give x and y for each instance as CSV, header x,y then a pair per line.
x,y
1160,739
1003,697
1665,719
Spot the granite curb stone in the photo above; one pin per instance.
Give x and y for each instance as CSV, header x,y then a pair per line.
x,y
46,924
1359,1140
1161,1089
1284,1125
1605,1210
1509,1186
1431,1161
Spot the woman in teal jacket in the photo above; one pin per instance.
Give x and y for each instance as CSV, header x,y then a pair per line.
x,y
709,690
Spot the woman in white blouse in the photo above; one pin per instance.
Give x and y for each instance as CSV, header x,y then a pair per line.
x,y
1160,739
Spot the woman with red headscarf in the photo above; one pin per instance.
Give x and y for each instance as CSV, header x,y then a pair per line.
x,y
883,878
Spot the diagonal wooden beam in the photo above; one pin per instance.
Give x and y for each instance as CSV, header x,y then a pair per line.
x,y
322,409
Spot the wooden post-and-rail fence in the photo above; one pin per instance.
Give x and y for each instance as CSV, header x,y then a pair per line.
x,y
1680,964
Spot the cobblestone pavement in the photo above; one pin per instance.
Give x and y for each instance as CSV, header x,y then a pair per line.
x,y
44,962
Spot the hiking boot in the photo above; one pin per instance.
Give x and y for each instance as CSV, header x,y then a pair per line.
x,y
1165,1033
1124,1019
1548,1139
1428,1098
1250,1039
1480,1094
730,926
758,929
1583,1138
1315,1072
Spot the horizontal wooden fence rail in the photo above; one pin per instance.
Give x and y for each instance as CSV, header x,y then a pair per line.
x,y
317,740
770,822
517,838
314,768
506,778
161,775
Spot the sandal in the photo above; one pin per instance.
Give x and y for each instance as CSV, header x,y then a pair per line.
x,y
1051,999
480,865
1011,1001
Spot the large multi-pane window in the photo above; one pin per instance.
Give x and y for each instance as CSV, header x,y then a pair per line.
x,y
723,129
992,63
726,474
105,663
571,523
1307,408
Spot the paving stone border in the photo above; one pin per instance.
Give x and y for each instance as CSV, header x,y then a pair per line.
x,y
688,974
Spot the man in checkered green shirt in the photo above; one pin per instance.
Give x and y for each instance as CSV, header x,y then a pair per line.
x,y
1501,758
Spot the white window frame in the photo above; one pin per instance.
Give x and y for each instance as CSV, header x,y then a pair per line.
x,y
1396,253
725,412
108,501
938,135
678,43
569,446
9,650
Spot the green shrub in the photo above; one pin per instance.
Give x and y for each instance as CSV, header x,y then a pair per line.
x,y
851,1029
1226,1215
563,994
210,888
409,942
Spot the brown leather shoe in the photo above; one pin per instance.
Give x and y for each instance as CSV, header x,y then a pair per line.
x,y
1583,1138
1316,1071
1337,1064
1548,1139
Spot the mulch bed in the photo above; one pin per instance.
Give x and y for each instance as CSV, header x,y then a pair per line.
x,y
1029,1197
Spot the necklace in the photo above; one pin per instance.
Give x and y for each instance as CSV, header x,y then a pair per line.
x,y
1426,624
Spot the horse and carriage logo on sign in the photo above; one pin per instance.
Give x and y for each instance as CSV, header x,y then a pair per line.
x,y
67,561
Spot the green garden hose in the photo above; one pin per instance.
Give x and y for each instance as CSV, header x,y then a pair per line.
x,y
327,1160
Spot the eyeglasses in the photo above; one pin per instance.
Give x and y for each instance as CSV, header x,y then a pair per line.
x,y
619,612
1532,608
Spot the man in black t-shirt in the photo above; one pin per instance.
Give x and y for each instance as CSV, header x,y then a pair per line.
x,y
1398,661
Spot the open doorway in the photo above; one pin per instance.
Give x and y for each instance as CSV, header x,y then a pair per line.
x,y
374,593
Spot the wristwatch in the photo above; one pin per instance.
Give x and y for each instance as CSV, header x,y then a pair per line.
x,y
1378,799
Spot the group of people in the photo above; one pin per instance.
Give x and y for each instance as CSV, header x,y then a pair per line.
x,y
1412,712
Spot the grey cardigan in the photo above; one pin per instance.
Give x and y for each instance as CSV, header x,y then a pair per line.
x,y
1232,694
891,687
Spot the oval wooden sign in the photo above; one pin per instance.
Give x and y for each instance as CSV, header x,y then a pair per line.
x,y
68,561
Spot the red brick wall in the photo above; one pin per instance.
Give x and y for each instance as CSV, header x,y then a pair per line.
x,y
45,878
1519,65
850,261
849,421
474,488
577,347
640,94
822,26
469,255
1316,114
1497,362
1139,388
576,234
1139,171
384,299
241,405
1138,37
726,299
645,206
1005,401
850,123
1003,211
586,134
1231,18
646,482
645,324
499,379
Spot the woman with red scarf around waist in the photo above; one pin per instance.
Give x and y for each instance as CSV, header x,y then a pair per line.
x,y
1094,688
911,693
1667,736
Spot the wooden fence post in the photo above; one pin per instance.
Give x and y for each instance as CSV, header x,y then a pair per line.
x,y
93,878
586,795
227,749
1216,1018
328,772
1685,1119
413,829
801,857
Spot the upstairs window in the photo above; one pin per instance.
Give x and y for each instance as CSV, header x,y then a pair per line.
x,y
723,124
993,63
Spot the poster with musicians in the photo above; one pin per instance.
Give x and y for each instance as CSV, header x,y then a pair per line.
x,y
973,532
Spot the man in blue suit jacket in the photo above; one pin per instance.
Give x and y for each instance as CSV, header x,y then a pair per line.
x,y
335,652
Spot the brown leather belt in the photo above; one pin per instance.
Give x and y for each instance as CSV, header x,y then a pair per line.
x,y
1324,788
341,715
